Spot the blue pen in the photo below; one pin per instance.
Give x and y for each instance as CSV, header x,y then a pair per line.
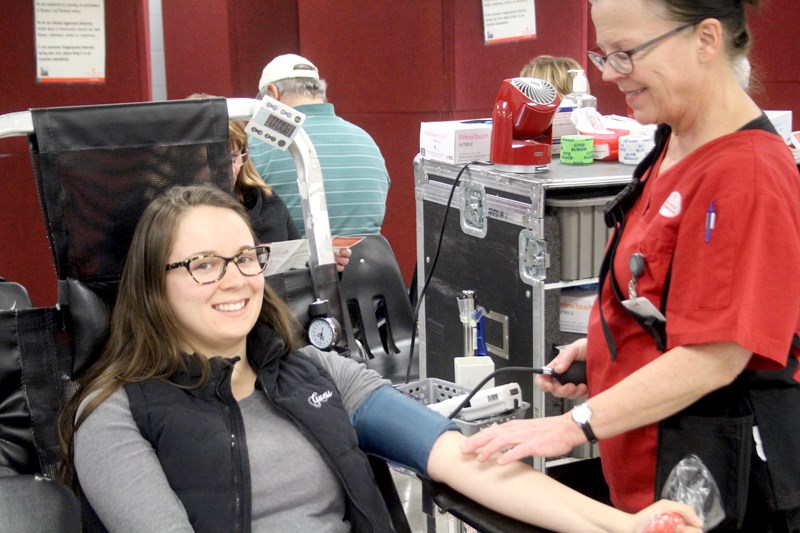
x,y
711,219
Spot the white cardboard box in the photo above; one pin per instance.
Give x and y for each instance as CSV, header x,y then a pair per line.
x,y
574,307
782,121
456,141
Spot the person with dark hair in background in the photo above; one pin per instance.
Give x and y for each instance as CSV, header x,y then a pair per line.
x,y
353,169
693,340
205,413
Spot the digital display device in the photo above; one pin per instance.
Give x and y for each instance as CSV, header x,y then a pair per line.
x,y
275,123
279,125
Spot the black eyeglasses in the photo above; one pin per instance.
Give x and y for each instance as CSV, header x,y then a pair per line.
x,y
210,268
622,61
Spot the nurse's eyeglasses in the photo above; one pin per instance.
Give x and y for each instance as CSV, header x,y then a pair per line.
x,y
622,61
210,268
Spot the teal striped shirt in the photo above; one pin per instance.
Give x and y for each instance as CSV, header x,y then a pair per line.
x,y
353,170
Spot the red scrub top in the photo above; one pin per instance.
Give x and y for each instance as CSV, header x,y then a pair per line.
x,y
733,280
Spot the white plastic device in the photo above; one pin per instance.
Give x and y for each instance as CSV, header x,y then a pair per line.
x,y
485,404
275,123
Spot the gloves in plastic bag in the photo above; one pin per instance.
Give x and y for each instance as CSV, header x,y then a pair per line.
x,y
691,483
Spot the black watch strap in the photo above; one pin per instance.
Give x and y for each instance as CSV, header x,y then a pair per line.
x,y
587,430
582,415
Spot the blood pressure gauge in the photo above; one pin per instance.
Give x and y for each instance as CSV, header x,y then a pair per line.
x,y
324,332
275,123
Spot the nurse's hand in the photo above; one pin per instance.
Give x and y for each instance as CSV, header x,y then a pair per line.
x,y
547,436
572,352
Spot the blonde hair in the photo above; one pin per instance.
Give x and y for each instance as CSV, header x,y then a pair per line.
x,y
248,177
553,70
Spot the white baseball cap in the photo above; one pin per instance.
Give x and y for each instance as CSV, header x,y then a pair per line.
x,y
287,66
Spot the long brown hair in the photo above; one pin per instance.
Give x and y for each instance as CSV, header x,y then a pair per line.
x,y
145,340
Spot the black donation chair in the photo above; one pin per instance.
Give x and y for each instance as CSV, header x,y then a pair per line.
x,y
96,168
380,311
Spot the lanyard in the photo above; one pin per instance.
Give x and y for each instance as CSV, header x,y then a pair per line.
x,y
614,216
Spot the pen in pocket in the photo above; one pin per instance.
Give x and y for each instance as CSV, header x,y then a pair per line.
x,y
711,219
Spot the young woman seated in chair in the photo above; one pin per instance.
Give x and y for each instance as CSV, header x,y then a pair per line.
x,y
205,413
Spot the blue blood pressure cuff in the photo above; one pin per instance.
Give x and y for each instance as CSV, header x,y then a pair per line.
x,y
397,428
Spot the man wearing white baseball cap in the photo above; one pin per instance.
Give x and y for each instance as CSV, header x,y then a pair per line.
x,y
353,169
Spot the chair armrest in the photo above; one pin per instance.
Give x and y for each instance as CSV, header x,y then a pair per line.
x,y
472,513
36,504
584,476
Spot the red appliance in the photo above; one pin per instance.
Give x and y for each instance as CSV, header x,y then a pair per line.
x,y
522,130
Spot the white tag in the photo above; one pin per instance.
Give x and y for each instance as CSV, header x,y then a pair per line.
x,y
672,206
643,307
759,444
275,123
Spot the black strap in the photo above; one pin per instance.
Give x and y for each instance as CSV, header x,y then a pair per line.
x,y
604,267
614,216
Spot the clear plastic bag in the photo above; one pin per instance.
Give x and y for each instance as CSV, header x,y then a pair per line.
x,y
691,483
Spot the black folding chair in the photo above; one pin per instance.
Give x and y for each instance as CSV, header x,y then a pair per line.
x,y
380,311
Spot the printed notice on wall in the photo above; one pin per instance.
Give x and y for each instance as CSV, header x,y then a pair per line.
x,y
508,20
70,41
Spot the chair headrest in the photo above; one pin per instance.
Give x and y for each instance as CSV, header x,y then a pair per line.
x,y
99,166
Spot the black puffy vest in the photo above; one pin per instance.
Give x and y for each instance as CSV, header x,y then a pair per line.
x,y
197,435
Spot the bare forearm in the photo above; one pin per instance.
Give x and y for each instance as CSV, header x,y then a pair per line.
x,y
521,492
672,382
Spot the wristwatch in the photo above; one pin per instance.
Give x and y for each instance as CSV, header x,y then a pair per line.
x,y
582,415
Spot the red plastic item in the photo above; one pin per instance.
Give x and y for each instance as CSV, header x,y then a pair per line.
x,y
665,523
522,130
606,145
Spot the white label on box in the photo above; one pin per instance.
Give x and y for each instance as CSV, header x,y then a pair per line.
x,y
456,141
575,305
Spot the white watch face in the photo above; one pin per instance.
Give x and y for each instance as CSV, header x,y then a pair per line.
x,y
322,333
582,414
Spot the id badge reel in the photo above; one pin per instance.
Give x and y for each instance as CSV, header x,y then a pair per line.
x,y
639,305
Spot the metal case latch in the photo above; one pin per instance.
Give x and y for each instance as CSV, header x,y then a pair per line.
x,y
473,209
533,257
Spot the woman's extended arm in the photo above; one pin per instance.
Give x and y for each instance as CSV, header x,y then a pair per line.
x,y
397,428
120,474
521,492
